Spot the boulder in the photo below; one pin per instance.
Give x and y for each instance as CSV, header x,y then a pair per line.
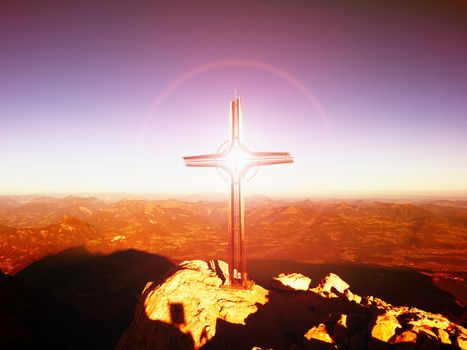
x,y
462,342
385,326
406,337
291,282
331,286
319,333
352,297
443,337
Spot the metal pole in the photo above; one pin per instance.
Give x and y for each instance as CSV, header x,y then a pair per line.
x,y
231,232
241,217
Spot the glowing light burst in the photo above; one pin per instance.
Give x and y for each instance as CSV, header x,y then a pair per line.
x,y
236,159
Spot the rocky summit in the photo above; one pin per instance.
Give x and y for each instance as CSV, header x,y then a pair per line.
x,y
193,309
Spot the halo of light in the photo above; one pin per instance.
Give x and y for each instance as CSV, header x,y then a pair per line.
x,y
194,72
222,172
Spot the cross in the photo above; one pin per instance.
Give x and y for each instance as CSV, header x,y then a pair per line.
x,y
236,159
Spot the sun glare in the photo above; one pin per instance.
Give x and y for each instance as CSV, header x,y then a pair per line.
x,y
236,158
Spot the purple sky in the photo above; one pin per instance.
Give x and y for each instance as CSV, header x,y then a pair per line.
x,y
371,99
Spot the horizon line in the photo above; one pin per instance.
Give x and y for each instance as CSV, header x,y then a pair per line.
x,y
461,195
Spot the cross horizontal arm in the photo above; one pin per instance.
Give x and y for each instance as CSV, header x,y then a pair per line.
x,y
211,164
204,160
261,162
202,157
271,155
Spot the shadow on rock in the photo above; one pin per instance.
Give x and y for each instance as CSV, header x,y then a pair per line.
x,y
396,285
284,320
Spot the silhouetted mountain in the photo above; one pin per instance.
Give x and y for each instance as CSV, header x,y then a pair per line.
x,y
104,288
32,319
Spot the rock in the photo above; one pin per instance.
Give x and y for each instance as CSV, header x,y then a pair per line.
x,y
406,337
372,301
189,304
443,336
340,328
193,307
424,319
342,321
332,281
291,282
462,342
422,329
385,327
318,333
331,286
352,297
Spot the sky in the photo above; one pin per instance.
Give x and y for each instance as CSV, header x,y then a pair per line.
x,y
107,96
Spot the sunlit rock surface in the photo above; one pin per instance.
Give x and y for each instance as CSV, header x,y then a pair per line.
x,y
331,286
319,333
191,301
192,309
291,282
385,326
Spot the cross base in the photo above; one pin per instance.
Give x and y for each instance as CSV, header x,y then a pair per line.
x,y
248,286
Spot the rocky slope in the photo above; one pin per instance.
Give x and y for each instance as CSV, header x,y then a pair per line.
x,y
191,308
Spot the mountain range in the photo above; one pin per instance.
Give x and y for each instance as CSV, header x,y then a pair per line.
x,y
75,258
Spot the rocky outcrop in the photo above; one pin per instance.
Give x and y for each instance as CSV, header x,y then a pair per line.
x,y
191,301
401,325
291,282
193,308
332,286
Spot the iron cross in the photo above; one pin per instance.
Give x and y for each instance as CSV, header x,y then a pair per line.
x,y
236,159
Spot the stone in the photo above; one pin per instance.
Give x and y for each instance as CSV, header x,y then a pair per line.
x,y
443,336
406,337
385,327
331,286
340,328
352,297
462,342
342,321
428,320
319,333
291,282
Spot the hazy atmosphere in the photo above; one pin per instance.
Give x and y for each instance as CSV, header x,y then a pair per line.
x,y
108,96
247,175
